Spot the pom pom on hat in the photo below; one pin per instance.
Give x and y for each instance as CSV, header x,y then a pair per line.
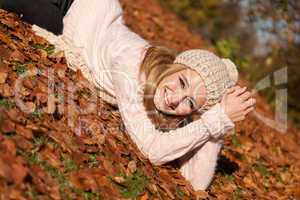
x,y
231,69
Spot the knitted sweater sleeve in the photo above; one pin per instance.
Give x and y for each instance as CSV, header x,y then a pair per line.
x,y
161,147
107,43
122,50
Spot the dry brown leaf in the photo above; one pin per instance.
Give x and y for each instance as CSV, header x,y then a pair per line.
x,y
21,130
3,76
201,194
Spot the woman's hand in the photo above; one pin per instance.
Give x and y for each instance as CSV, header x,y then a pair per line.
x,y
237,103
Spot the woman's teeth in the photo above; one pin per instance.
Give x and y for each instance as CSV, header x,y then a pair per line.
x,y
165,96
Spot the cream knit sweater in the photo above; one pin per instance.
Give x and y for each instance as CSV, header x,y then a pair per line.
x,y
97,42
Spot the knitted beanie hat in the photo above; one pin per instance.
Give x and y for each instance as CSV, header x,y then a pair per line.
x,y
218,74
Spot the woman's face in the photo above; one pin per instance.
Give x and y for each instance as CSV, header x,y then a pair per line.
x,y
180,93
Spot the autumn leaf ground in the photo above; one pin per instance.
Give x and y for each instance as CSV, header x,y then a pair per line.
x,y
54,150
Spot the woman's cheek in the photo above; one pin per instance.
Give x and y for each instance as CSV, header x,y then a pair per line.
x,y
157,100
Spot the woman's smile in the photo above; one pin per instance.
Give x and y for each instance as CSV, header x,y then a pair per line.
x,y
167,102
180,93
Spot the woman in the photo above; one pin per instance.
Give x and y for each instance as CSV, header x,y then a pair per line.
x,y
147,82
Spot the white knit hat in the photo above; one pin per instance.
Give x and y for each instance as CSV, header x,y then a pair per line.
x,y
218,74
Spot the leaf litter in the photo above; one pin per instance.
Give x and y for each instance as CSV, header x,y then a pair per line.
x,y
54,150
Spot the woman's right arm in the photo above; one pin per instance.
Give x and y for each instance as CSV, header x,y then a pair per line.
x,y
162,147
121,49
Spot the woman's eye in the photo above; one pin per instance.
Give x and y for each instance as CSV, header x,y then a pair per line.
x,y
191,104
181,82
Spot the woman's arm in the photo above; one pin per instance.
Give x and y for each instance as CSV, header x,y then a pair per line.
x,y
162,147
199,167
120,51
124,57
87,22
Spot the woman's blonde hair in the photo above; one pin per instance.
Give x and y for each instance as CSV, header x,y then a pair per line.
x,y
158,64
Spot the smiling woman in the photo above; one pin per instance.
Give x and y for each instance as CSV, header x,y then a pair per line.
x,y
185,83
97,41
180,93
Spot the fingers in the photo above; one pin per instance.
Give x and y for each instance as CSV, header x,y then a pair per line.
x,y
239,91
232,89
249,102
245,95
251,108
243,116
238,102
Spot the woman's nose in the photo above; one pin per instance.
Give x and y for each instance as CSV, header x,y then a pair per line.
x,y
176,99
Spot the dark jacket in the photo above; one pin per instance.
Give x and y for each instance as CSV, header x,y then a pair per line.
x,y
47,14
